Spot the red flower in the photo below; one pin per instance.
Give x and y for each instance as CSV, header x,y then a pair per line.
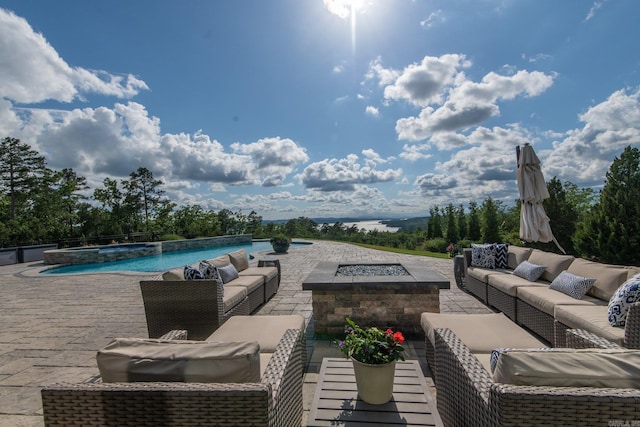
x,y
398,337
388,332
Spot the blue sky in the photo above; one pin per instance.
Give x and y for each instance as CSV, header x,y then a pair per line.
x,y
319,108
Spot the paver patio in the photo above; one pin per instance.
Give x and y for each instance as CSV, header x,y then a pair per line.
x,y
52,326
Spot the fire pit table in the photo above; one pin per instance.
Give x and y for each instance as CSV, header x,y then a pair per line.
x,y
382,294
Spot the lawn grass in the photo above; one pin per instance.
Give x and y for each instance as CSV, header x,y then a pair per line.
x,y
403,251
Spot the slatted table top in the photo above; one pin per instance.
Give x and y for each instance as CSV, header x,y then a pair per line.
x,y
335,401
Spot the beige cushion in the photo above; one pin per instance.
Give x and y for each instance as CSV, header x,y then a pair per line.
x,y
545,299
482,274
509,283
239,259
265,358
592,318
554,263
616,368
481,333
266,330
131,359
608,277
233,295
267,272
174,274
220,261
516,255
250,282
485,360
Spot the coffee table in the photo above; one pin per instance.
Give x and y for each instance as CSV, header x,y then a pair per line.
x,y
335,401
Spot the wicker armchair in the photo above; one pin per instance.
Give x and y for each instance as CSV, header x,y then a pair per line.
x,y
275,401
467,395
195,305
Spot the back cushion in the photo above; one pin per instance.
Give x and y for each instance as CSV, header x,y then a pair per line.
x,y
239,259
220,261
554,263
174,274
516,255
608,277
617,368
134,360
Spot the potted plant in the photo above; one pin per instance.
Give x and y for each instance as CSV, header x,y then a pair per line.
x,y
280,243
374,353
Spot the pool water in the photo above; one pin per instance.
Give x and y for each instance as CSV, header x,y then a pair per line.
x,y
162,262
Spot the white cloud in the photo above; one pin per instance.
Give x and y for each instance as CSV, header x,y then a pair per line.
x,y
372,111
434,18
343,174
34,72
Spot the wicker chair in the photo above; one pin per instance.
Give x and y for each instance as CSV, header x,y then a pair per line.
x,y
275,401
195,305
468,396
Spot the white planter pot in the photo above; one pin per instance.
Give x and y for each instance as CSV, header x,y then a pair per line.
x,y
375,382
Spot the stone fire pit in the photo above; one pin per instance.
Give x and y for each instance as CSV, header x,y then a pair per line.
x,y
382,294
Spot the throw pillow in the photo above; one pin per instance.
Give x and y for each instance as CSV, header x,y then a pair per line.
x,y
483,256
228,273
209,271
502,255
529,271
627,294
572,285
192,273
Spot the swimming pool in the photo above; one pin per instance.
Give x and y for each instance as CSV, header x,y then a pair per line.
x,y
161,262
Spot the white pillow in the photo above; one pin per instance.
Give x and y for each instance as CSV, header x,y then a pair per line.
x,y
483,256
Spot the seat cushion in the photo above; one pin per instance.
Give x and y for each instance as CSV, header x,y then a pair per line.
x,y
239,259
250,282
509,283
615,368
481,333
267,272
482,274
554,263
266,330
545,299
131,359
592,318
233,295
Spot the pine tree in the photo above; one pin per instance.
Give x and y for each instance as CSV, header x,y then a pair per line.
x,y
475,230
490,224
461,223
452,230
611,230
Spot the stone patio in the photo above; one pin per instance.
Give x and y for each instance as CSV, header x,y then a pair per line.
x,y
52,326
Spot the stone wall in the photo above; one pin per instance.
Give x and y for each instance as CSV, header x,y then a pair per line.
x,y
205,242
396,309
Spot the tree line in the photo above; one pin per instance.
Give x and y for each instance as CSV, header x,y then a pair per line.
x,y
41,205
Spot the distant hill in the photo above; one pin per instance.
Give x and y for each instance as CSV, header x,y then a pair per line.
x,y
405,224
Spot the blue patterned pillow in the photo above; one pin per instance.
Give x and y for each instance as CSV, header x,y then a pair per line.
x,y
192,273
209,271
627,294
529,271
483,256
502,255
228,273
572,285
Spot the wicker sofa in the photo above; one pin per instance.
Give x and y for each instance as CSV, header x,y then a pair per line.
x,y
201,306
274,401
468,395
545,311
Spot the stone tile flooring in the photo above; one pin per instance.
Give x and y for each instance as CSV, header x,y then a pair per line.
x,y
52,326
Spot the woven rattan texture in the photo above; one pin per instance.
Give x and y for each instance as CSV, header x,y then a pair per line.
x,y
502,302
538,321
476,287
275,401
468,396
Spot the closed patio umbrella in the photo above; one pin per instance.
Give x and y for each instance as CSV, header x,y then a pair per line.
x,y
534,222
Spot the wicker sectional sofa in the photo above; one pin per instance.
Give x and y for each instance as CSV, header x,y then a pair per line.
x,y
273,401
201,306
548,312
